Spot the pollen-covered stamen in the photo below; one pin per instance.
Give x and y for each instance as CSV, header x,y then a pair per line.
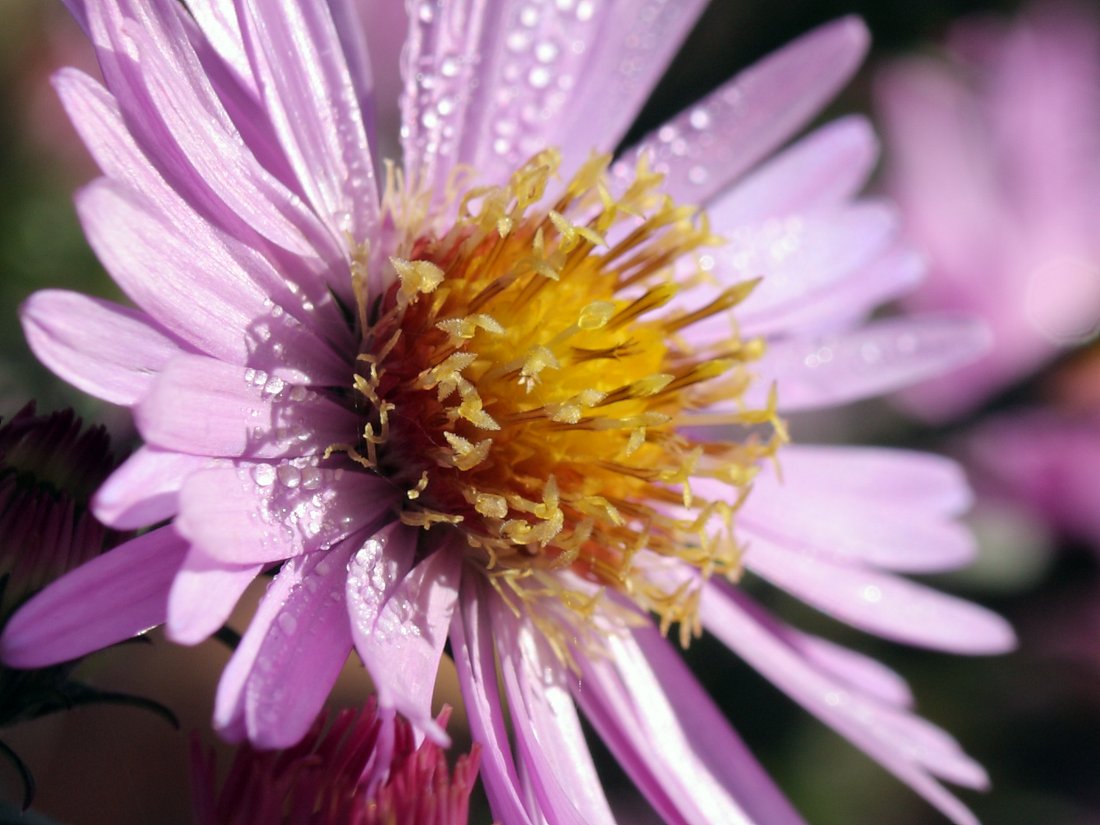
x,y
524,375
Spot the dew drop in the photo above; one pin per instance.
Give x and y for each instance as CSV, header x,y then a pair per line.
x,y
289,475
287,623
698,174
518,41
539,77
449,67
264,475
546,52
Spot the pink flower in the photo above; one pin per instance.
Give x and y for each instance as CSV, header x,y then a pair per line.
x,y
360,770
1046,461
502,394
1042,461
994,158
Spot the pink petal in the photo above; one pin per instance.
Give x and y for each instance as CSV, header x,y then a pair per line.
x,y
880,603
473,647
203,406
922,481
202,293
636,42
708,146
873,727
456,34
551,742
499,71
623,697
218,21
877,358
288,659
110,598
821,170
77,10
109,351
890,534
399,619
880,539
253,513
177,118
386,27
846,301
848,667
353,23
145,489
714,740
803,255
203,595
310,97
96,115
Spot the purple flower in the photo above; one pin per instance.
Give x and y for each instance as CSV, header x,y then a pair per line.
x,y
359,770
506,393
994,158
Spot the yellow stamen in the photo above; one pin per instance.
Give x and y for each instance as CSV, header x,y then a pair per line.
x,y
525,376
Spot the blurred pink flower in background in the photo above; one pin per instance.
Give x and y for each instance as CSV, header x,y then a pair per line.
x,y
994,158
1047,458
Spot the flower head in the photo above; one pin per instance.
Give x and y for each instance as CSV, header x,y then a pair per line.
x,y
1007,126
520,397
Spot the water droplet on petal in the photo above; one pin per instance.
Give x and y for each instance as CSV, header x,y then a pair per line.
x,y
289,475
287,623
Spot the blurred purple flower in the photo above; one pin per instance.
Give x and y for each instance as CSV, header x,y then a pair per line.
x,y
994,158
494,405
1046,459
362,769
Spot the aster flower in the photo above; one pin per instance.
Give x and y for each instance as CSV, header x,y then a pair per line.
x,y
361,769
509,394
1008,125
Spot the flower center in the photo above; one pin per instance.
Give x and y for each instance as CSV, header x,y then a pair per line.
x,y
528,374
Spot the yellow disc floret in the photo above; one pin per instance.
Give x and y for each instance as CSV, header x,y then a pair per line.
x,y
528,375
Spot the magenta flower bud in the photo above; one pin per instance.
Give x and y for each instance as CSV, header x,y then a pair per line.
x,y
357,768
